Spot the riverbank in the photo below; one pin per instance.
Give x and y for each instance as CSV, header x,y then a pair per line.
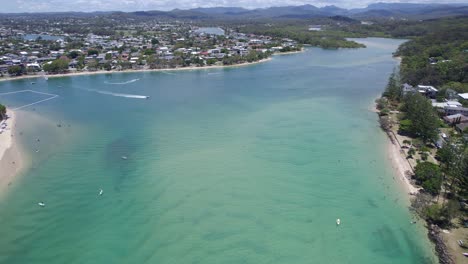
x,y
400,165
11,160
133,71
403,169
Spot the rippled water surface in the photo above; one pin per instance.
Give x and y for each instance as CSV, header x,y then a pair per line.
x,y
238,165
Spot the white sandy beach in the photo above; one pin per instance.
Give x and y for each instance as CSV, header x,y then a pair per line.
x,y
10,157
6,127
401,166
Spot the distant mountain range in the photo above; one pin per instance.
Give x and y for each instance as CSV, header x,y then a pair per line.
x,y
377,10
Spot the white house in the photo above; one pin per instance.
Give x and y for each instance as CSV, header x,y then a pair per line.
x,y
464,96
446,104
427,90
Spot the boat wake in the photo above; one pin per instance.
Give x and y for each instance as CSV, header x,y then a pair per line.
x,y
168,73
135,96
122,83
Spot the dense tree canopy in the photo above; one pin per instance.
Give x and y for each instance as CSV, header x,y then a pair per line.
x,y
15,70
57,66
393,90
423,118
438,57
428,175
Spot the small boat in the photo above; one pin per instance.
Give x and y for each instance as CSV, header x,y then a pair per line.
x,y
124,157
465,254
41,204
101,191
338,221
33,83
460,243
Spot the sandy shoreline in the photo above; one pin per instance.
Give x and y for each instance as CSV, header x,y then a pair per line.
x,y
400,166
134,71
11,159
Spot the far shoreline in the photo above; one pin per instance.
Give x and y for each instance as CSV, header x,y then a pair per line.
x,y
191,68
84,73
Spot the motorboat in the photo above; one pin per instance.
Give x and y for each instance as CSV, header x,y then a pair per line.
x,y
338,221
101,191
41,204
124,157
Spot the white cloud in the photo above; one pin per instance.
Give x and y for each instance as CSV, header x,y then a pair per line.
x,y
134,5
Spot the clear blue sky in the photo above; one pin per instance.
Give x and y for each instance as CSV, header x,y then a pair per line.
x,y
133,5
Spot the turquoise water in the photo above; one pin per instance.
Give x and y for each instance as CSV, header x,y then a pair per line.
x,y
211,30
238,165
44,37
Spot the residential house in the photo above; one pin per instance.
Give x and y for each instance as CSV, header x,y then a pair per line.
x,y
427,90
463,96
315,28
456,110
446,103
456,119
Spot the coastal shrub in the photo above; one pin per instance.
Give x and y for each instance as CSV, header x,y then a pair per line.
x,y
2,112
381,103
405,127
435,214
411,151
442,214
384,112
407,142
424,155
429,176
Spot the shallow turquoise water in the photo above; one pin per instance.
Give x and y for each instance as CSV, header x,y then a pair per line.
x,y
240,165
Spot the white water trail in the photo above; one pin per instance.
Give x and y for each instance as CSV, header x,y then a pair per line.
x,y
135,96
122,83
168,73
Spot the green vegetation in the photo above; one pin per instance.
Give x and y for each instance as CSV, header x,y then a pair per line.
x,y
428,175
393,91
56,66
15,70
437,54
439,57
327,39
2,112
423,120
